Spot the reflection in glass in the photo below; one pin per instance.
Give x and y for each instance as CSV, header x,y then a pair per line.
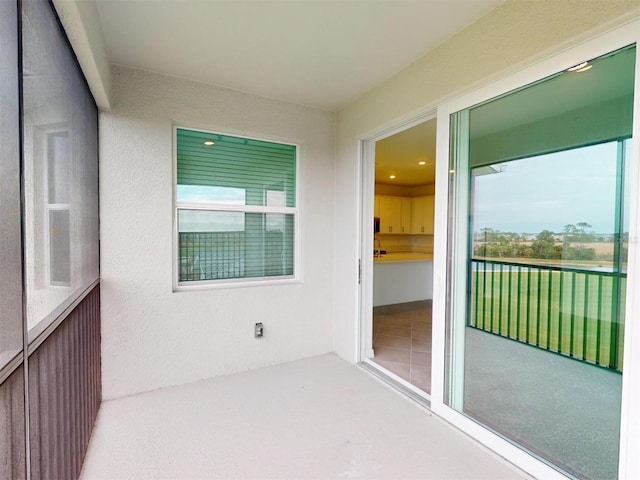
x,y
58,167
59,247
211,195
10,238
557,209
536,340
233,169
12,391
215,172
60,170
216,245
208,221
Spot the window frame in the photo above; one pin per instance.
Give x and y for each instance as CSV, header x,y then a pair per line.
x,y
211,207
49,207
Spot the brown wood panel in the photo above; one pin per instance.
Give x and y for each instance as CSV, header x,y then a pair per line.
x,y
65,392
12,446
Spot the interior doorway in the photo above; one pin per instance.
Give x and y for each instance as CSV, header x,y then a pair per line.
x,y
397,232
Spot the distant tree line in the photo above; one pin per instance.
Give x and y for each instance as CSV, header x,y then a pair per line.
x,y
568,245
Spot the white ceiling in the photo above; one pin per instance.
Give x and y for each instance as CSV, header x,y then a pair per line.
x,y
321,53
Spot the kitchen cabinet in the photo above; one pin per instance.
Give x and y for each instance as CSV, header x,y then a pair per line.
x,y
395,214
405,222
390,211
422,215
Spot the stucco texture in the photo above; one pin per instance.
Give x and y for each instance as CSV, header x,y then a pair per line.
x,y
154,337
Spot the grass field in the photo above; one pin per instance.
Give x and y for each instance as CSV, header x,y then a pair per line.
x,y
573,313
603,255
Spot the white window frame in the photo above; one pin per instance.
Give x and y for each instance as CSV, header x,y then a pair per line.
x,y
49,207
629,461
235,282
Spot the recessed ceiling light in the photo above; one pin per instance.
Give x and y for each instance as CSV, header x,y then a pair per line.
x,y
422,163
580,67
208,143
392,177
588,67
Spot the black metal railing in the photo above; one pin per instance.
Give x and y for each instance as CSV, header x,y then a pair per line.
x,y
211,255
574,312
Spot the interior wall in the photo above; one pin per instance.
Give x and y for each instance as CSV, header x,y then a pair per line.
x,y
153,337
513,35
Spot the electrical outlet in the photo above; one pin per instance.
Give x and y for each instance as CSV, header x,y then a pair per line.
x,y
259,330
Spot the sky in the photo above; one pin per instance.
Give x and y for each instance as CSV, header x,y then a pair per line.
x,y
221,221
550,191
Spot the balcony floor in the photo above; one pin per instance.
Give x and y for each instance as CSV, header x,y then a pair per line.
x,y
314,418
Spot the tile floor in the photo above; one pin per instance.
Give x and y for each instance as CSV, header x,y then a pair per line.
x,y
402,341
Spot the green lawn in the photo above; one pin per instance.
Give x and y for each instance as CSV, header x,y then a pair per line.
x,y
572,313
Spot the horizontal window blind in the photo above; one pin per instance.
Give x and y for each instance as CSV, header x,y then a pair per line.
x,y
216,243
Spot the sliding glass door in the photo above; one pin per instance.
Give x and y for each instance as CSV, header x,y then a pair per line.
x,y
539,216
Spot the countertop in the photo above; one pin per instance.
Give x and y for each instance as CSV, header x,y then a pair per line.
x,y
403,257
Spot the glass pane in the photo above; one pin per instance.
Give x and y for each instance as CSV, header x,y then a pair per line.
x,y
537,336
60,245
570,203
225,245
12,420
10,237
194,221
221,169
60,169
211,195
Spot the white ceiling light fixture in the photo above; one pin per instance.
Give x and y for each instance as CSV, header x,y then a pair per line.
x,y
581,67
208,143
422,163
392,177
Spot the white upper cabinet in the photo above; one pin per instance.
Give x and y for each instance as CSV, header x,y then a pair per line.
x,y
422,215
403,215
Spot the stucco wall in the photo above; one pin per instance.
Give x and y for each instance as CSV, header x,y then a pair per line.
x,y
510,37
153,337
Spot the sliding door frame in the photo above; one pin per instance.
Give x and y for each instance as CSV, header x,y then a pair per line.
x,y
449,256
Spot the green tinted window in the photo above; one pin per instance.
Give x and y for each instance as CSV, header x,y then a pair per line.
x,y
236,201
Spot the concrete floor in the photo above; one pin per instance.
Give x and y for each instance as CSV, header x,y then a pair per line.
x,y
314,418
564,410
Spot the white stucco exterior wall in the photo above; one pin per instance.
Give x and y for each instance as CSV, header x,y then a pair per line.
x,y
513,35
153,337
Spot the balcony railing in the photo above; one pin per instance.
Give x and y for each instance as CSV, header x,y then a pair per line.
x,y
223,255
211,255
572,312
